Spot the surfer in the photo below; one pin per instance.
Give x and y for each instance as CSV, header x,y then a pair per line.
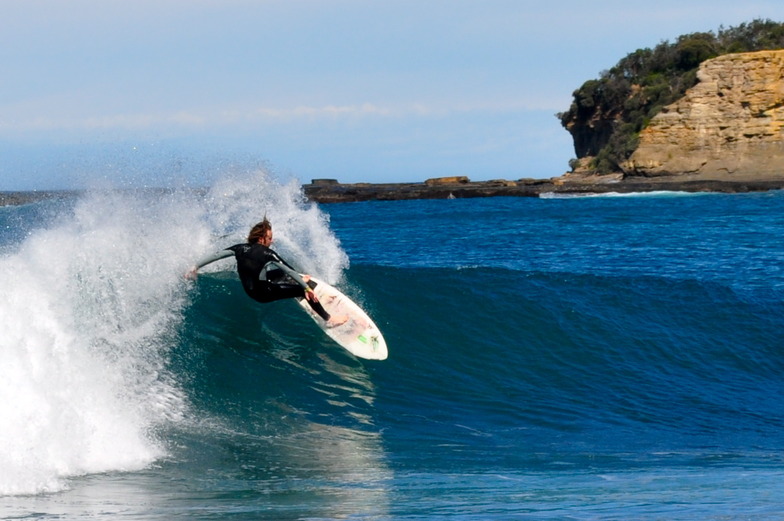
x,y
264,275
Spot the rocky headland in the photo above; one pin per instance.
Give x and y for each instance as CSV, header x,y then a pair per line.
x,y
330,191
20,198
726,134
728,126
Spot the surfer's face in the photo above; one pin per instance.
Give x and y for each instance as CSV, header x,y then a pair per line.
x,y
266,239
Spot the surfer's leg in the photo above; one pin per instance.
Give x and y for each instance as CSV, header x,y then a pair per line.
x,y
319,309
267,292
283,291
330,320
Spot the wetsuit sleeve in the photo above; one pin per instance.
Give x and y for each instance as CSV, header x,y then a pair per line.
x,y
222,254
288,270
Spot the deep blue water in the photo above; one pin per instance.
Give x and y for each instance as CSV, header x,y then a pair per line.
x,y
583,359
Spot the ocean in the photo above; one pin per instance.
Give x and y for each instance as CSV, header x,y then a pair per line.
x,y
583,358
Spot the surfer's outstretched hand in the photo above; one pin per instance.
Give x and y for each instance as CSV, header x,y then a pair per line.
x,y
191,273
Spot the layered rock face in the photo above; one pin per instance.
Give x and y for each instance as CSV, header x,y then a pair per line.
x,y
730,126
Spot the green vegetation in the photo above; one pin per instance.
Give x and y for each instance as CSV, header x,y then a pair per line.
x,y
607,114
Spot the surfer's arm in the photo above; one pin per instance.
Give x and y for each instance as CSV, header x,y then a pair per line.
x,y
310,295
218,255
288,270
302,280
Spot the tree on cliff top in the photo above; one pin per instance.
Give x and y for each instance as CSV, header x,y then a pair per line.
x,y
607,115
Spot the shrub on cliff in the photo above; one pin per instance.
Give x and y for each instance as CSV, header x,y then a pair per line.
x,y
607,115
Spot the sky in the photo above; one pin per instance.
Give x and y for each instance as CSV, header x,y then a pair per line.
x,y
171,92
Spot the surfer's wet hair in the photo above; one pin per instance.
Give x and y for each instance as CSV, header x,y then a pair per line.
x,y
259,231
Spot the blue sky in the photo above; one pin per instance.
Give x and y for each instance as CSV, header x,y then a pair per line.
x,y
166,92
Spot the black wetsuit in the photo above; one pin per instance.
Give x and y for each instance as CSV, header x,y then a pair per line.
x,y
274,284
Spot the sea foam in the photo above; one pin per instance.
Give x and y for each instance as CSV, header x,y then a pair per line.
x,y
89,306
92,303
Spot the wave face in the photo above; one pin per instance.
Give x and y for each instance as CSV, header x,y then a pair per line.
x,y
565,358
583,326
580,364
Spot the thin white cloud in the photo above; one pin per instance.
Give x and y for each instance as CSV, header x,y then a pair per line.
x,y
327,111
242,117
92,123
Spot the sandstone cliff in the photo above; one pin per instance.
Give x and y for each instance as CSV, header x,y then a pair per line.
x,y
730,126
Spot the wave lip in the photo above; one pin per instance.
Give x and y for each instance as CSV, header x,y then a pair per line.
x,y
93,304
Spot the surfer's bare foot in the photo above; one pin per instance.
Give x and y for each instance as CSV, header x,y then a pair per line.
x,y
337,321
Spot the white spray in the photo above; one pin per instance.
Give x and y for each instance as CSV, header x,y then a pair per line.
x,y
91,306
301,230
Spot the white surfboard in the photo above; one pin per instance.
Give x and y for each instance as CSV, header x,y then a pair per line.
x,y
359,335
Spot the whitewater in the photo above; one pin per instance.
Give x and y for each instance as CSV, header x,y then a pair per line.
x,y
92,301
581,358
